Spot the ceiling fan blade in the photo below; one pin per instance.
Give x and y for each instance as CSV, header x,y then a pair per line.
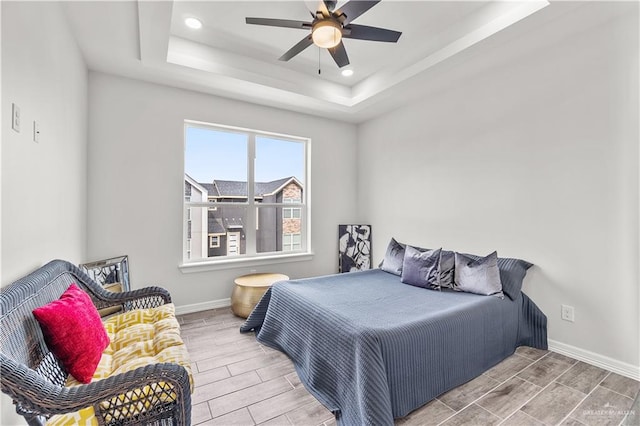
x,y
279,23
302,44
339,54
353,9
363,32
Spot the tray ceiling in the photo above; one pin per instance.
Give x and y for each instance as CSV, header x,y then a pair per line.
x,y
149,40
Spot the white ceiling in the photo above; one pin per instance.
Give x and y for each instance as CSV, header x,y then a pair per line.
x,y
148,40
424,30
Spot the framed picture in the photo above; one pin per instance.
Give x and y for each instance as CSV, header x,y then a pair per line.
x,y
354,252
109,271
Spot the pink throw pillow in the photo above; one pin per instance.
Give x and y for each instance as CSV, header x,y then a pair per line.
x,y
74,332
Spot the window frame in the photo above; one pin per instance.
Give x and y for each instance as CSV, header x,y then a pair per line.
x,y
251,257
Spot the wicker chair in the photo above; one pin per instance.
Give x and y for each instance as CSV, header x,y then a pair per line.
x,y
35,379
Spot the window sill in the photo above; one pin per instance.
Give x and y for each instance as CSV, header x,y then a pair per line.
x,y
243,262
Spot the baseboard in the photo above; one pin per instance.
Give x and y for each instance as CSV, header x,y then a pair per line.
x,y
203,306
598,360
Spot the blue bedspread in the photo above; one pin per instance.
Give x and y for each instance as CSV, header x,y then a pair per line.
x,y
372,349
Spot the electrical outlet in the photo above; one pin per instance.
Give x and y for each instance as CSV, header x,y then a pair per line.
x,y
15,117
567,313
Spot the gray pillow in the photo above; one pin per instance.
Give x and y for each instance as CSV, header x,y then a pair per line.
x,y
393,258
447,266
480,276
512,273
421,269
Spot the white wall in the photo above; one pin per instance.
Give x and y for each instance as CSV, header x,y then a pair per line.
x,y
535,155
43,184
136,184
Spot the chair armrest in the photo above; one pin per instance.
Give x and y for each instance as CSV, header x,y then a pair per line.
x,y
38,395
148,297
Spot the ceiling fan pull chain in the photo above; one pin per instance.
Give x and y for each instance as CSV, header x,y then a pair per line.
x,y
319,72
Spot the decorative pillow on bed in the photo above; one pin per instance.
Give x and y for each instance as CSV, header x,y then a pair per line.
x,y
447,267
480,276
421,269
74,332
512,272
393,258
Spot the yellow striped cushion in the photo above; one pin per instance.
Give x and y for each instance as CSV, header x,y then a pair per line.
x,y
138,338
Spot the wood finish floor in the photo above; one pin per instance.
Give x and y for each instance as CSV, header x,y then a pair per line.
x,y
240,382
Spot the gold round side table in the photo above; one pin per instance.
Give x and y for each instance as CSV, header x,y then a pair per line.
x,y
249,289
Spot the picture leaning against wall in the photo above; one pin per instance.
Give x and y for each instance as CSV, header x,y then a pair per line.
x,y
354,252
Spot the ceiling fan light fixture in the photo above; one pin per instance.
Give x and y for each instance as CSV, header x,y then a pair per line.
x,y
326,34
329,26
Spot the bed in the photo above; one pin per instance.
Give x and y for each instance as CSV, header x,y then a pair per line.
x,y
372,349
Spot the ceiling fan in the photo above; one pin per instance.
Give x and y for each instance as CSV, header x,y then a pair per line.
x,y
330,26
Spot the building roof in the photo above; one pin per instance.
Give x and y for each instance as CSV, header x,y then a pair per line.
x,y
230,188
234,188
215,224
265,188
211,189
192,183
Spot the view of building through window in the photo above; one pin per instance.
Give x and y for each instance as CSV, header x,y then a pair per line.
x,y
244,192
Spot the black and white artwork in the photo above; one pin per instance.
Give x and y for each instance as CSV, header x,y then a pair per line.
x,y
354,253
109,271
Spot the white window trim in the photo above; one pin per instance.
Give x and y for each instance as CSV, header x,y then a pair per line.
x,y
207,264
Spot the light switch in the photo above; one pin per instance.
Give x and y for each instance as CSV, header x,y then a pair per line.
x,y
15,120
36,132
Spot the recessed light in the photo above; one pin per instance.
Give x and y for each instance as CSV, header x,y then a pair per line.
x,y
347,73
193,23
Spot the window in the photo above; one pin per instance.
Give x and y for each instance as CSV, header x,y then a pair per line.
x,y
214,241
291,212
253,177
292,242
